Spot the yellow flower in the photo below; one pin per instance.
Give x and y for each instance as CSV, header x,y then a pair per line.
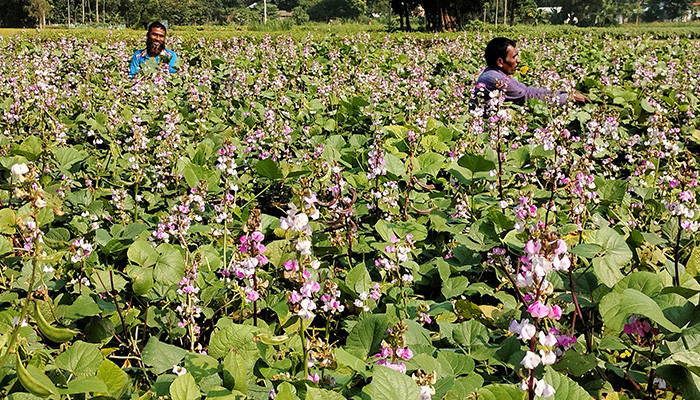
x,y
523,70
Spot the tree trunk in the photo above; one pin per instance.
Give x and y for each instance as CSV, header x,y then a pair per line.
x,y
68,2
407,15
496,15
265,12
97,11
83,12
505,11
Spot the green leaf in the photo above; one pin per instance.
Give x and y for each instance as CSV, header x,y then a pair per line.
x,y
474,337
587,250
83,306
358,279
184,388
141,279
616,308
322,394
646,282
368,334
342,357
388,384
394,165
201,366
170,265
269,169
142,253
114,377
430,163
161,356
7,221
611,191
234,337
68,156
564,387
693,265
476,163
616,254
235,371
687,359
500,392
454,286
30,148
82,359
90,384
455,364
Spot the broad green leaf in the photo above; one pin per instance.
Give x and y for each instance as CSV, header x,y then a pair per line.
x,y
68,156
476,163
616,254
587,250
7,221
687,359
170,265
141,279
616,308
234,337
83,306
322,394
500,392
269,169
693,265
455,364
564,387
161,356
114,377
89,384
82,359
184,388
454,286
358,279
430,163
646,282
342,357
368,334
200,366
235,372
142,253
474,337
388,384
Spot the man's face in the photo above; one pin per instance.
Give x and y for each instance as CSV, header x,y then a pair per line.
x,y
155,41
510,63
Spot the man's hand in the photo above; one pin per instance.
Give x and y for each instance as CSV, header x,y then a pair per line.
x,y
580,98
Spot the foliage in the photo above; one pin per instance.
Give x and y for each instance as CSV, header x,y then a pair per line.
x,y
332,216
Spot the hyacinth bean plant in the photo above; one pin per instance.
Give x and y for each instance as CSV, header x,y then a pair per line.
x,y
327,217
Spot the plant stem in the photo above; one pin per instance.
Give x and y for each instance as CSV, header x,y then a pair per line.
x,y
677,280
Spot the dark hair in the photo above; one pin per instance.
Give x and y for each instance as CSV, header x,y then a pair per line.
x,y
157,24
497,48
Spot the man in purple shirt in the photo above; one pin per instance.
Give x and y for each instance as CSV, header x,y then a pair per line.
x,y
502,59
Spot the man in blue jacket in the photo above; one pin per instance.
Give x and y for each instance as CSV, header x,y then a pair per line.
x,y
155,47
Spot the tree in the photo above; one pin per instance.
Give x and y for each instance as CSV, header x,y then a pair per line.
x,y
39,10
445,15
659,10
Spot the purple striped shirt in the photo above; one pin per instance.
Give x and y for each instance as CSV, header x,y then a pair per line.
x,y
514,90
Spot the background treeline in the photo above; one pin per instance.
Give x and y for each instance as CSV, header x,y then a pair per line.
x,y
431,15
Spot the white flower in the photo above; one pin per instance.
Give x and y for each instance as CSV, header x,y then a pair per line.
x,y
524,329
547,340
426,392
304,246
19,169
543,389
178,370
531,360
660,383
548,357
40,203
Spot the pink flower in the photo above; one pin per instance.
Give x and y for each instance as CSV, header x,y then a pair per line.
x,y
405,354
315,378
294,297
538,310
533,247
555,312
